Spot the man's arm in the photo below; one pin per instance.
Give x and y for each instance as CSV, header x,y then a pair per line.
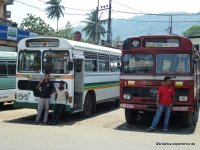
x,y
39,84
53,89
157,100
173,97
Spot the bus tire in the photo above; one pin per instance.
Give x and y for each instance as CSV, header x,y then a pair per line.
x,y
1,104
117,102
88,105
131,116
188,119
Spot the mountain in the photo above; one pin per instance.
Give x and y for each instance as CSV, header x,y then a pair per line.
x,y
151,24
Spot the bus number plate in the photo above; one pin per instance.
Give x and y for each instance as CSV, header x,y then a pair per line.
x,y
127,105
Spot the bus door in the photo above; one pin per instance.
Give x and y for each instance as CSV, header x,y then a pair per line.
x,y
78,82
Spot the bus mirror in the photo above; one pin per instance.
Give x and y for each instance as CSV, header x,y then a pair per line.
x,y
70,65
118,65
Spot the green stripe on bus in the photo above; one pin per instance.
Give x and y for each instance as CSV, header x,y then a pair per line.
x,y
7,83
101,85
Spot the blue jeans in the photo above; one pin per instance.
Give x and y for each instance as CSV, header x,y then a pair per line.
x,y
159,112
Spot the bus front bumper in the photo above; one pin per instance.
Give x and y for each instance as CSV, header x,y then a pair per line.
x,y
140,107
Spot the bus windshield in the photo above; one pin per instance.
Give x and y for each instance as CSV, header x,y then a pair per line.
x,y
29,61
55,61
172,63
138,63
52,61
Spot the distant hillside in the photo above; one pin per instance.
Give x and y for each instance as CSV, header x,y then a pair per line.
x,y
151,24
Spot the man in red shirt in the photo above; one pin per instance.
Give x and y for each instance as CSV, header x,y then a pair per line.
x,y
165,98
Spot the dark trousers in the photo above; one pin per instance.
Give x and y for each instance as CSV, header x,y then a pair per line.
x,y
58,110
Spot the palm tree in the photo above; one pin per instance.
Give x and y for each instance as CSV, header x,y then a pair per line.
x,y
90,28
54,10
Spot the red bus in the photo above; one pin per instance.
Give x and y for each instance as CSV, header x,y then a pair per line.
x,y
146,60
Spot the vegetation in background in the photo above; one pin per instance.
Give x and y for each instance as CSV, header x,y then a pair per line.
x,y
192,31
90,28
36,24
55,10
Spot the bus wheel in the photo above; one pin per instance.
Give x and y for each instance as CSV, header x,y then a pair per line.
x,y
131,116
188,119
1,104
87,108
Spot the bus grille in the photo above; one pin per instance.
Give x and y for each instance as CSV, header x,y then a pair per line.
x,y
140,91
151,92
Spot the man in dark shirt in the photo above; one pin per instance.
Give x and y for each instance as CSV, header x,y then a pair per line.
x,y
46,88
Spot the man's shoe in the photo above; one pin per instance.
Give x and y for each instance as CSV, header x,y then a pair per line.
x,y
45,122
54,123
165,130
150,129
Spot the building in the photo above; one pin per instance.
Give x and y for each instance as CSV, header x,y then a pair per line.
x,y
9,33
4,14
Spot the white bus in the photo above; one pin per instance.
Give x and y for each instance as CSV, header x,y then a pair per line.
x,y
7,76
90,72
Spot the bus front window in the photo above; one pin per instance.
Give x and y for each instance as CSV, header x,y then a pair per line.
x,y
55,62
138,63
172,63
29,61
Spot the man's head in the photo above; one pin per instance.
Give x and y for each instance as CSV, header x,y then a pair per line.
x,y
47,75
167,80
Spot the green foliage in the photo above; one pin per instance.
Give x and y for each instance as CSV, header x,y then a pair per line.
x,y
65,33
54,10
90,28
36,24
192,31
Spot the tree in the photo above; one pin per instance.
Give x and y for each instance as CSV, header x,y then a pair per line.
x,y
192,31
67,32
90,28
36,24
55,10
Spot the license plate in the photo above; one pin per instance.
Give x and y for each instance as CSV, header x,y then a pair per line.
x,y
127,105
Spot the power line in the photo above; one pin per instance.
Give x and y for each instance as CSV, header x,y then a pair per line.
x,y
161,31
29,5
156,21
141,20
68,7
44,10
160,14
128,7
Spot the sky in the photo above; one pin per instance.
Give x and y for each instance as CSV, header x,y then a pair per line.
x,y
76,10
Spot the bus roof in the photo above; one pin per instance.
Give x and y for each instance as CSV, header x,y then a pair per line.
x,y
69,44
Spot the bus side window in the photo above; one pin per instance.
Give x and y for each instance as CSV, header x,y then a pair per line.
x,y
3,70
94,65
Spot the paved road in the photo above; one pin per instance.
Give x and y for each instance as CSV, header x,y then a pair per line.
x,y
105,130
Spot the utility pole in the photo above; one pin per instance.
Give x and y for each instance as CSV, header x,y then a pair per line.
x,y
109,32
170,27
96,24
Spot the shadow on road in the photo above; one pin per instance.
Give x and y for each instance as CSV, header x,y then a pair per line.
x,y
175,127
69,119
7,107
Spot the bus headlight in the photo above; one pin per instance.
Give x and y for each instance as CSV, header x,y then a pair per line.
x,y
183,98
127,96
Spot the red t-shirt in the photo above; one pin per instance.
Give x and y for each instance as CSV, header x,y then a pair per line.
x,y
166,93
